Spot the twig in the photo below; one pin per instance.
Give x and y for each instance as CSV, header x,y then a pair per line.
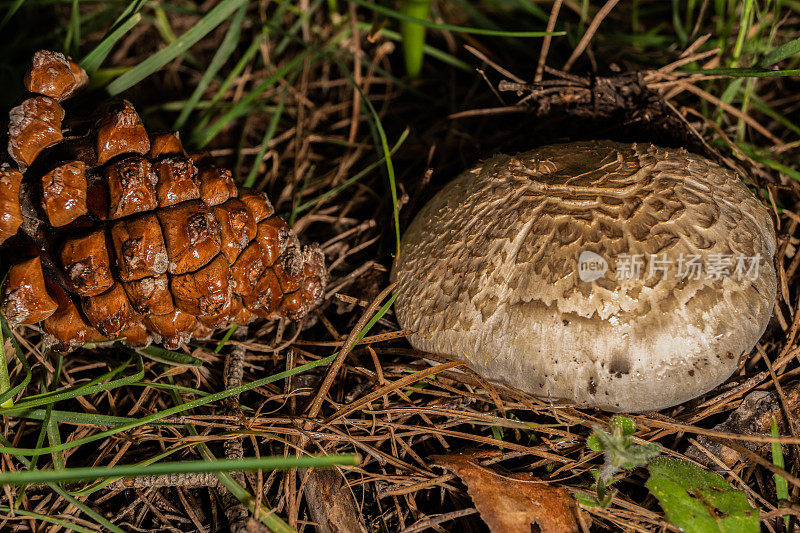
x,y
598,18
551,24
732,110
333,370
237,514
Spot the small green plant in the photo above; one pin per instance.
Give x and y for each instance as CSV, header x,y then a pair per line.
x,y
698,501
693,499
619,452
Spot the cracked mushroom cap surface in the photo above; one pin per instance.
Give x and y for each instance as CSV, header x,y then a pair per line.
x,y
627,277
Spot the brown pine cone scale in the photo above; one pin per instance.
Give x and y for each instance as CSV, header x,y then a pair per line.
x,y
135,238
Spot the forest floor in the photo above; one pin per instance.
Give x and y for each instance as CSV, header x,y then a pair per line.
x,y
310,102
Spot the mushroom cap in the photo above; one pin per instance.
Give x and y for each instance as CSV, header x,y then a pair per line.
x,y
489,274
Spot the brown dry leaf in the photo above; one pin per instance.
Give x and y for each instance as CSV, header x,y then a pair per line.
x,y
513,503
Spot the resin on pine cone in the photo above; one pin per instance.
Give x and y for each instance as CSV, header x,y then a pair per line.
x,y
124,235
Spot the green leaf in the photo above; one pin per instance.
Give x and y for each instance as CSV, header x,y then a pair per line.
x,y
587,500
698,501
214,18
626,425
779,53
594,443
225,338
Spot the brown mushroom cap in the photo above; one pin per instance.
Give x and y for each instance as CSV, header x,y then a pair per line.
x,y
489,273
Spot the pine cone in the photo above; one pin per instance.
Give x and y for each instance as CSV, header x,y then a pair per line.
x,y
130,236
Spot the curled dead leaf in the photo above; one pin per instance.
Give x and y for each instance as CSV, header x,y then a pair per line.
x,y
512,503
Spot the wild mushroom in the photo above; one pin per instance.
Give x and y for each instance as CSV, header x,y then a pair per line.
x,y
622,276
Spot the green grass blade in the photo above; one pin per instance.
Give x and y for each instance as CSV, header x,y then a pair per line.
x,y
45,419
5,380
10,393
71,417
169,386
49,519
244,105
781,485
73,37
744,72
94,381
761,106
81,390
92,61
162,25
350,181
169,412
458,29
745,21
434,52
268,135
88,511
54,438
750,150
134,6
226,48
533,9
10,13
248,55
683,37
414,34
248,464
214,18
103,482
387,158
779,53
221,344
169,357
374,320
